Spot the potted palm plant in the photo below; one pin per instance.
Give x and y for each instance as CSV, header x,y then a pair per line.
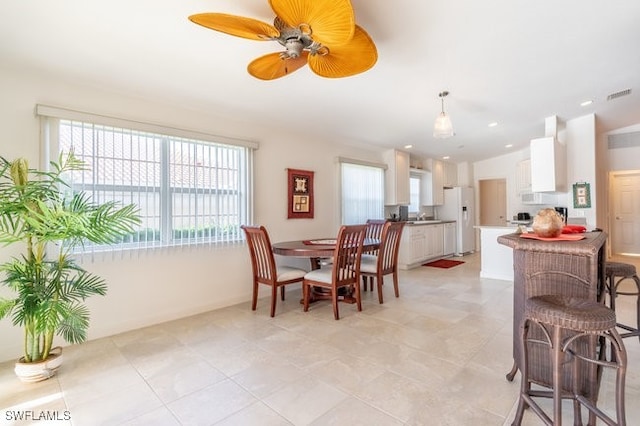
x,y
39,213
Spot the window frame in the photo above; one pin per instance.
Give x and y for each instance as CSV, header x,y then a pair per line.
x,y
50,118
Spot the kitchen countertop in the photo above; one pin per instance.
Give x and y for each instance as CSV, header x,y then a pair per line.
x,y
426,222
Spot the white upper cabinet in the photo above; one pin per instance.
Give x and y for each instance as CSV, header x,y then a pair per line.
x,y
450,175
396,182
548,165
523,177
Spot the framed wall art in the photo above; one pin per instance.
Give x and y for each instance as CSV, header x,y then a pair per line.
x,y
300,194
581,195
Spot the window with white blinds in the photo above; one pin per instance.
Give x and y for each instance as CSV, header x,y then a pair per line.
x,y
188,191
362,189
414,193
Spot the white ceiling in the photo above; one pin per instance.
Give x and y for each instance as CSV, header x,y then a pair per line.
x,y
515,62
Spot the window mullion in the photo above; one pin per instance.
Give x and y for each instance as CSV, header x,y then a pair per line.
x,y
165,192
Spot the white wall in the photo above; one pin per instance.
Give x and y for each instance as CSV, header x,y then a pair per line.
x,y
581,165
172,283
623,158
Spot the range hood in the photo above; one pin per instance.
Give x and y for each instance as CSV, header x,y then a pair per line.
x,y
548,161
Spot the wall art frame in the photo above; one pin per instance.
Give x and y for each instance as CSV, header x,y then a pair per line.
x,y
300,194
581,195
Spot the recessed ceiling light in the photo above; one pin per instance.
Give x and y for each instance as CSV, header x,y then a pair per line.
x,y
408,146
586,103
509,146
493,124
446,157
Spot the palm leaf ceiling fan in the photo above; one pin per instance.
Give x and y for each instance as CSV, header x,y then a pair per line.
x,y
321,33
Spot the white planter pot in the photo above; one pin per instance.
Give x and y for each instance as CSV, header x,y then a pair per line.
x,y
31,372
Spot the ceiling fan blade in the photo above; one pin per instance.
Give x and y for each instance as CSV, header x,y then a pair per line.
x,y
273,65
236,25
332,21
352,58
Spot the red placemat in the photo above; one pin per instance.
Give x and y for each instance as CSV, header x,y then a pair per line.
x,y
561,237
573,229
320,242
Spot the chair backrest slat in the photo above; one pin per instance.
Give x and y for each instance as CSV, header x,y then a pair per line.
x,y
262,259
374,231
347,254
389,246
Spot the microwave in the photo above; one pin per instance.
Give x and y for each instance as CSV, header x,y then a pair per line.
x,y
537,198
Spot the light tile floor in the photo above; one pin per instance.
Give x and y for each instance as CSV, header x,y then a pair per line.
x,y
435,356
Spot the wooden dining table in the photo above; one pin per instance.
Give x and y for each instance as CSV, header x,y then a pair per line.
x,y
316,250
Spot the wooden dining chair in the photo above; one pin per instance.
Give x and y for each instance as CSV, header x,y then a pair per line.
x,y
374,229
374,232
375,267
344,272
265,269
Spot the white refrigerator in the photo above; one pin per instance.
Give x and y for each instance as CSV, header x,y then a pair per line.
x,y
459,205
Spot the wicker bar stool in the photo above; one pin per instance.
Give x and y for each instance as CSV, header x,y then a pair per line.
x,y
570,325
615,273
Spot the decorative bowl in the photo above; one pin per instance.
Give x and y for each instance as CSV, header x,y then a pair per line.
x,y
547,223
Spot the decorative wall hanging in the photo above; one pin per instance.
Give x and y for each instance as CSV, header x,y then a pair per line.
x,y
300,193
581,196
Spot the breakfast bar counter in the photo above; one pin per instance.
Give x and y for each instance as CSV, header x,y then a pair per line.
x,y
570,268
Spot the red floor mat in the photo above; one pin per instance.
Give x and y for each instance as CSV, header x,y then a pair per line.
x,y
444,263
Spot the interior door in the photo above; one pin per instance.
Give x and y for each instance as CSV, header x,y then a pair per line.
x,y
625,213
493,202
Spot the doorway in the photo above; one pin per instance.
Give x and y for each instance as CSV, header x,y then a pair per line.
x,y
624,213
493,202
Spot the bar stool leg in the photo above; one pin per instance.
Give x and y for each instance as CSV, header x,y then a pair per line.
x,y
620,376
558,358
612,292
525,386
577,409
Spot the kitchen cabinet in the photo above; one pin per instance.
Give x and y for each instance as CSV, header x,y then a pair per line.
x,y
413,246
420,243
435,240
432,187
523,176
548,165
450,175
396,178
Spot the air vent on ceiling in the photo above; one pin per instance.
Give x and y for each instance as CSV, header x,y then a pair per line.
x,y
621,93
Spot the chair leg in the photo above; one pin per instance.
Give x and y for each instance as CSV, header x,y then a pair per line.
x,y
274,298
395,283
379,280
358,298
364,282
334,301
282,292
305,297
254,300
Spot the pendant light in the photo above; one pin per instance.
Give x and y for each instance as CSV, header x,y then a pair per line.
x,y
443,128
